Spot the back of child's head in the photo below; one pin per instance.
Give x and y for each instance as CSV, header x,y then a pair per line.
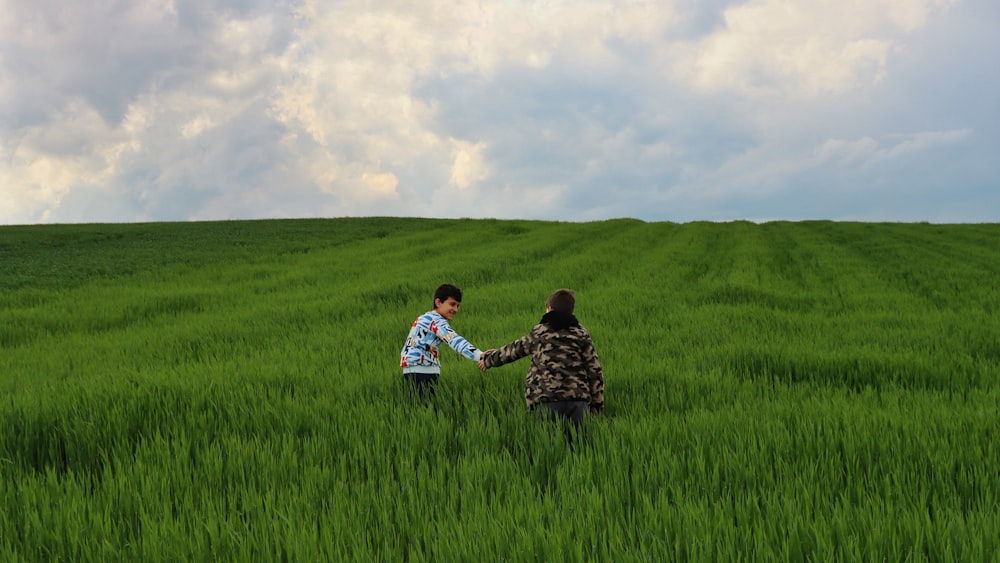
x,y
562,300
446,290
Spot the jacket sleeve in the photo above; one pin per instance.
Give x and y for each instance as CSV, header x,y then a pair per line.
x,y
509,353
595,375
443,331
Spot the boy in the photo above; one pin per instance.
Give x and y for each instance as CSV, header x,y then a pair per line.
x,y
419,358
565,377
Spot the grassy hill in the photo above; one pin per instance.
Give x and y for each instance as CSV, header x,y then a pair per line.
x,y
230,390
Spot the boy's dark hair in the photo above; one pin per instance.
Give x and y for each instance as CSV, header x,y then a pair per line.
x,y
446,290
563,300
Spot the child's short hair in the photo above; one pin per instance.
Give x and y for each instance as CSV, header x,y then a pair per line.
x,y
563,300
446,290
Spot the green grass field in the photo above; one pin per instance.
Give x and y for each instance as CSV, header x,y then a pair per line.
x,y
808,391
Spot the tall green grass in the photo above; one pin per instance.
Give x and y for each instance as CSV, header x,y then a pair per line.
x,y
230,391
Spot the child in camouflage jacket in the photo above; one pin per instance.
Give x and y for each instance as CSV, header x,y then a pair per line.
x,y
565,377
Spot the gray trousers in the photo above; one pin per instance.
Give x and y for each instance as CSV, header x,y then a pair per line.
x,y
574,411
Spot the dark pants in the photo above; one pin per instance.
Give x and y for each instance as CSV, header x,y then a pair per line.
x,y
423,384
574,411
569,413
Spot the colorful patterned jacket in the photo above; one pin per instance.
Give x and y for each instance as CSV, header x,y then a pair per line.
x,y
564,363
420,351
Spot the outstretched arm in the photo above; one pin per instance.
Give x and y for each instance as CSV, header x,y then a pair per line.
x,y
459,344
506,354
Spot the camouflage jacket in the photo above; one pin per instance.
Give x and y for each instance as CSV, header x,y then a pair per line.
x,y
564,363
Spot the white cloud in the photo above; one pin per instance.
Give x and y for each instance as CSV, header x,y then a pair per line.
x,y
43,164
468,166
381,183
821,47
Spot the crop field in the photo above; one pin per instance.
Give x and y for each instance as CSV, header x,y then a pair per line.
x,y
230,391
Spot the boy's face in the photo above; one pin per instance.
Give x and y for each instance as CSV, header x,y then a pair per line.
x,y
446,308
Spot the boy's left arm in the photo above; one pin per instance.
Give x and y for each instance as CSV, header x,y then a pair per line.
x,y
457,342
595,377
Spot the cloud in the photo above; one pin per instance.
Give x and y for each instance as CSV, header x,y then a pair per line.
x,y
869,150
110,96
177,109
469,166
803,48
380,183
362,95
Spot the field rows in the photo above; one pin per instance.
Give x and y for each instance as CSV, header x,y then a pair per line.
x,y
792,391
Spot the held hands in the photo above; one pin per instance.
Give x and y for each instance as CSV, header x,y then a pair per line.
x,y
482,362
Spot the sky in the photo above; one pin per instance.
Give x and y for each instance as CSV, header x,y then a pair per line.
x,y
667,110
